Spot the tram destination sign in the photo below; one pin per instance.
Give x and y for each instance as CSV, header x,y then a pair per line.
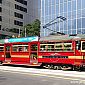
x,y
25,39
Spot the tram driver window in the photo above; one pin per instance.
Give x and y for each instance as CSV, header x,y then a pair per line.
x,y
83,45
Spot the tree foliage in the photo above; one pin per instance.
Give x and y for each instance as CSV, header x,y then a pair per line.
x,y
32,29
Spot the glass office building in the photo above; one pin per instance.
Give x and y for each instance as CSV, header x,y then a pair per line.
x,y
72,10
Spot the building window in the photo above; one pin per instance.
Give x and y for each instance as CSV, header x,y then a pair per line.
x,y
0,9
22,2
0,18
18,15
20,8
18,23
0,1
25,2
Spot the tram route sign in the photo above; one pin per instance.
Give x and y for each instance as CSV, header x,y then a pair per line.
x,y
25,39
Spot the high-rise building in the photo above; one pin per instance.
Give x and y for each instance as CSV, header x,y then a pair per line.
x,y
14,14
33,10
72,10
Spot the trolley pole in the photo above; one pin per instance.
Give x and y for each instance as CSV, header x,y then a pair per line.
x,y
25,32
19,31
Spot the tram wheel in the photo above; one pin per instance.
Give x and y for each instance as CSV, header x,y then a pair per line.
x,y
76,68
55,67
1,62
49,66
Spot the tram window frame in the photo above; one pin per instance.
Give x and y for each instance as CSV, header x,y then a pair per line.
x,y
1,48
46,47
83,50
56,47
78,45
20,48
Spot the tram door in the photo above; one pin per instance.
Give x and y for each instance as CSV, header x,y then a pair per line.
x,y
7,53
33,54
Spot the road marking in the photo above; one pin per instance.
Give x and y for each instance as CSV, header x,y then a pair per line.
x,y
50,76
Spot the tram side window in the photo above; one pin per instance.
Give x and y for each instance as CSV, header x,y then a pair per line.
x,y
83,45
67,47
14,49
50,47
43,47
20,48
47,47
58,47
34,47
1,48
25,49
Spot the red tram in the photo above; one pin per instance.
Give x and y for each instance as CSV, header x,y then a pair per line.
x,y
54,51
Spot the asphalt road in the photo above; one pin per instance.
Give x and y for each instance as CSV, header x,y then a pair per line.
x,y
32,76
13,78
7,78
47,72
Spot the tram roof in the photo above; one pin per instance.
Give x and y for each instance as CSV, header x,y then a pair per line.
x,y
46,38
63,37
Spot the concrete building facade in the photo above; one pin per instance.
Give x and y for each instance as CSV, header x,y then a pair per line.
x,y
33,10
14,14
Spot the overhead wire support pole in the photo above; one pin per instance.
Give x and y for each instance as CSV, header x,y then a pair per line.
x,y
19,31
25,32
50,23
63,18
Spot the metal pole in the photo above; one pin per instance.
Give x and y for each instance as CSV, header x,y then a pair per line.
x,y
25,32
19,31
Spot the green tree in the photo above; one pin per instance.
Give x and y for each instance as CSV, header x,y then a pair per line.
x,y
32,29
